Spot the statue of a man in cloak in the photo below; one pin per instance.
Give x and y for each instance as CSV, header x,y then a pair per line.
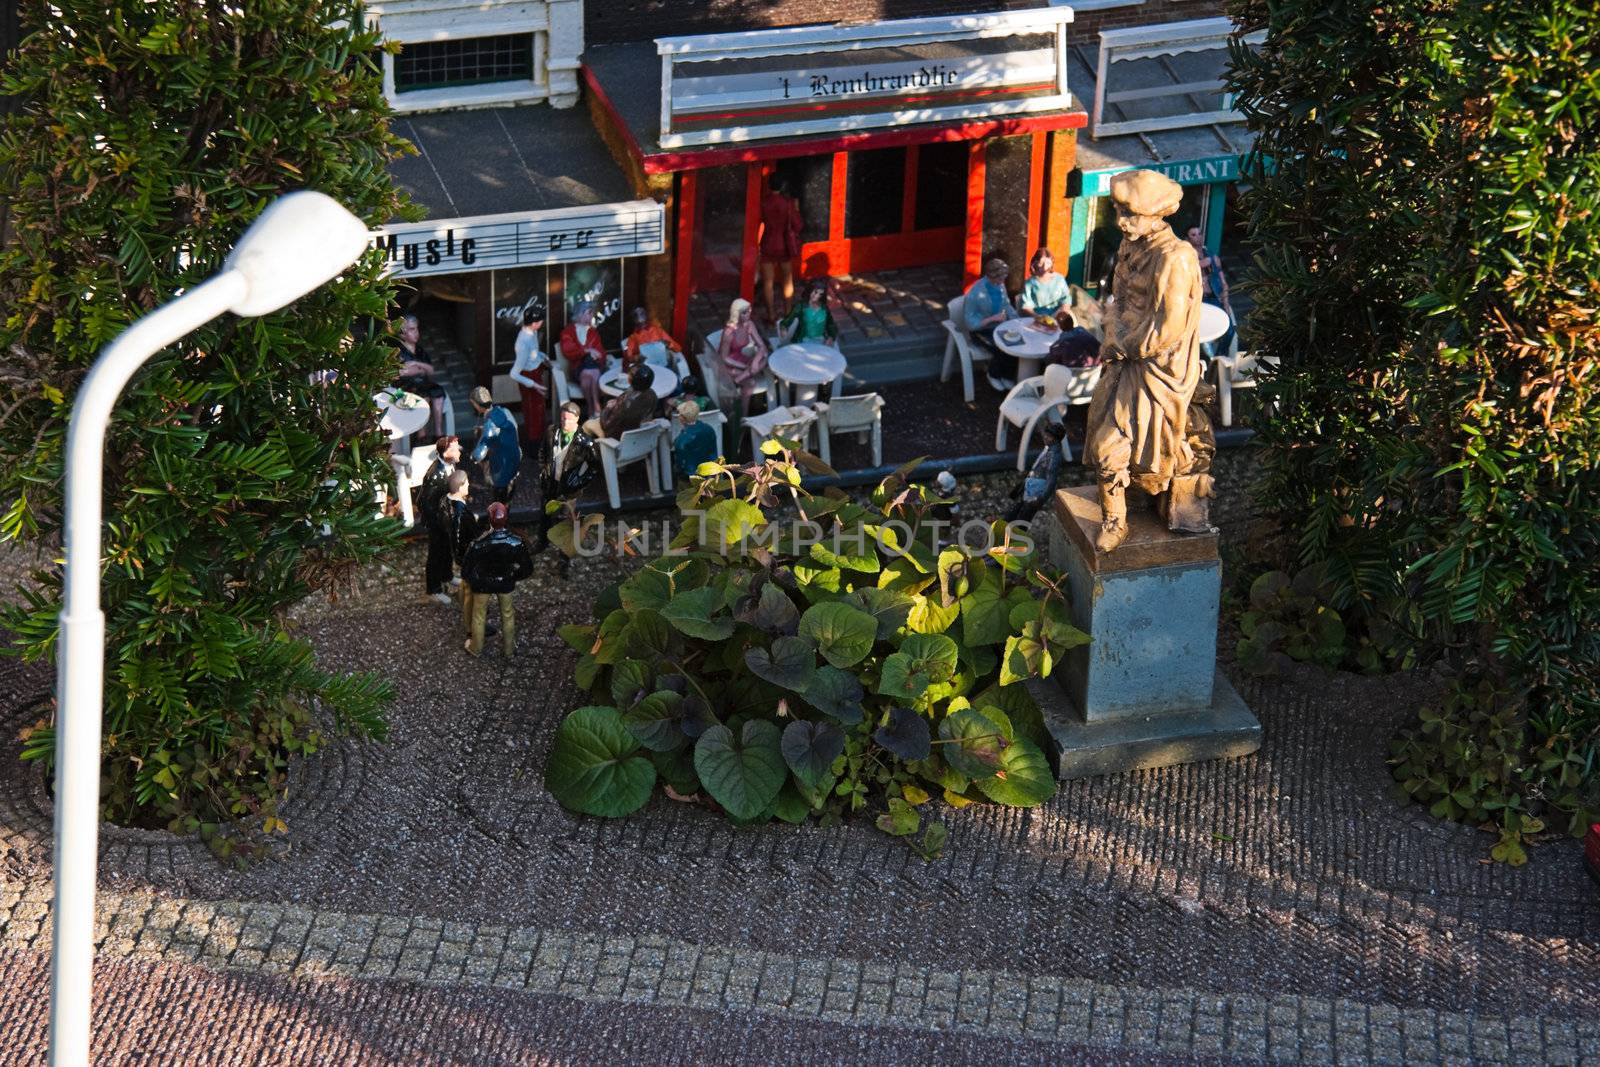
x,y
1138,418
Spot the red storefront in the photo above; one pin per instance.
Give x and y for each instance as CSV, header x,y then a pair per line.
x,y
909,143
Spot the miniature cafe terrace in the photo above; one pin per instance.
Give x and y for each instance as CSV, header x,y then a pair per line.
x,y
911,151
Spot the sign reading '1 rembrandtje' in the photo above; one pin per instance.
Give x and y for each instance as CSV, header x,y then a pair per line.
x,y
778,83
524,239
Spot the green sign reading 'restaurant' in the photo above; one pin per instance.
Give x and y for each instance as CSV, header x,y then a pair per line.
x,y
1186,172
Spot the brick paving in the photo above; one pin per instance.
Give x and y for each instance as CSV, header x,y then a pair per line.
x,y
432,896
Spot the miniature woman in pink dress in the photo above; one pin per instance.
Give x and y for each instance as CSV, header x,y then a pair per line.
x,y
743,352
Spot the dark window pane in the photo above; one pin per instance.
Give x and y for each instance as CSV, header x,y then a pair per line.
x,y
436,64
942,185
875,191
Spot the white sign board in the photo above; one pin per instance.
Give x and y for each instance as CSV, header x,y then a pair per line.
x,y
523,239
703,102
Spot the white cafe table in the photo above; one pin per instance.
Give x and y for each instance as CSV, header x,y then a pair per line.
x,y
403,413
1027,341
805,367
664,381
1214,322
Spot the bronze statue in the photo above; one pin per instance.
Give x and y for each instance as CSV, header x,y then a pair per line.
x,y
1139,417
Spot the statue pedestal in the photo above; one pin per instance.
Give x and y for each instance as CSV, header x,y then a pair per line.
x,y
1146,691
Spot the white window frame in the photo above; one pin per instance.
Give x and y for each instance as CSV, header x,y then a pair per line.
x,y
460,22
1149,42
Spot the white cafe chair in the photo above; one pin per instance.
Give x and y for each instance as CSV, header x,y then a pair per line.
x,y
959,345
408,473
1236,370
657,354
793,423
1034,398
649,444
720,387
850,414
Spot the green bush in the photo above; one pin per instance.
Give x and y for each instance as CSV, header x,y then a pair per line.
x,y
1291,620
1426,201
814,667
152,134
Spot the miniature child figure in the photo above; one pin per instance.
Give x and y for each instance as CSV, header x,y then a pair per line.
x,y
492,567
1042,476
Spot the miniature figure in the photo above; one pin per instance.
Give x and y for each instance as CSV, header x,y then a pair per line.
x,y
492,567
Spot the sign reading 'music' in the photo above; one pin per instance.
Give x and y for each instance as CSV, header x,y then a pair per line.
x,y
523,239
777,83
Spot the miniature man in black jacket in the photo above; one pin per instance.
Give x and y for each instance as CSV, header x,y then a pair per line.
x,y
435,485
493,566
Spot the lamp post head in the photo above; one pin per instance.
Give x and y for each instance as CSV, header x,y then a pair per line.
x,y
300,241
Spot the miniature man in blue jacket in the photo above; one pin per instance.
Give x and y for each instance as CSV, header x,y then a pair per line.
x,y
497,443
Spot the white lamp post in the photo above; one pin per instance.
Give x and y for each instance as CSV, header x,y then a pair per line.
x,y
299,242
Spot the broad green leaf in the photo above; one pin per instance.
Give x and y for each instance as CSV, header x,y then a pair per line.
x,y
1024,778
731,522
816,581
976,743
595,767
954,580
934,655
790,663
1024,658
809,748
745,773
889,607
657,721
899,679
837,694
928,616
648,637
577,637
610,645
655,584
843,634
850,549
696,613
773,612
906,735
793,806
630,682
901,820
985,615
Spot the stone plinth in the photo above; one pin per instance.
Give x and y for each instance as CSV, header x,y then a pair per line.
x,y
1145,692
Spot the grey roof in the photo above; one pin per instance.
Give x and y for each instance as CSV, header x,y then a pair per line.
x,y
1163,146
497,160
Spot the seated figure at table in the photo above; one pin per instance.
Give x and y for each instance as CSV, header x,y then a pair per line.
x,y
695,444
628,411
985,307
649,343
416,372
1045,291
810,320
743,352
585,355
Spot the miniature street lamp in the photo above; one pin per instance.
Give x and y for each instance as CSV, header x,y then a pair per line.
x,y
297,243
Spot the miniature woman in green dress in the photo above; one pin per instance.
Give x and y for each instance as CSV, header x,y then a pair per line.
x,y
810,320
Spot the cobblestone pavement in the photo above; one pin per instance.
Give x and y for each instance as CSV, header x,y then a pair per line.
x,y
434,899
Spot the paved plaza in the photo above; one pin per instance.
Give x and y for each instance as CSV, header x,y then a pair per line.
x,y
433,904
